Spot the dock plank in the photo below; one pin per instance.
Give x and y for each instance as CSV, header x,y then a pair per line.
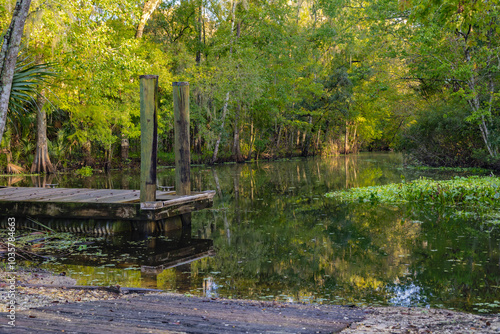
x,y
95,193
54,197
75,196
178,200
106,193
8,194
130,196
10,190
36,193
117,198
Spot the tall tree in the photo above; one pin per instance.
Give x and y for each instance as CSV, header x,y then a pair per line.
x,y
41,163
456,53
148,9
8,57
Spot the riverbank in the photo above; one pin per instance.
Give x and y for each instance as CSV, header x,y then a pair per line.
x,y
106,309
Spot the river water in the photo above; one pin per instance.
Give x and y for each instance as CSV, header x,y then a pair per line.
x,y
276,237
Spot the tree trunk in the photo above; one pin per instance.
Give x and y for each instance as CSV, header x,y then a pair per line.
x,y
306,140
109,157
236,140
87,153
226,102
316,145
252,140
200,29
353,143
8,57
475,104
219,137
346,138
125,145
278,140
147,11
41,163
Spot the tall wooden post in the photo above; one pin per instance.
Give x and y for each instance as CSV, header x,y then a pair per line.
x,y
182,147
149,141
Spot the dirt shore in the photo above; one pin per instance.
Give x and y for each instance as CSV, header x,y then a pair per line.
x,y
377,319
423,320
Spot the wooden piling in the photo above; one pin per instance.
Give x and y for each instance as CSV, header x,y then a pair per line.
x,y
149,143
182,146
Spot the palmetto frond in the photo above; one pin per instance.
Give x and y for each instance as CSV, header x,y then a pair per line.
x,y
26,82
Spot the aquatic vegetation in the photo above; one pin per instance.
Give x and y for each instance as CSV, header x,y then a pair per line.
x,y
470,170
471,190
472,197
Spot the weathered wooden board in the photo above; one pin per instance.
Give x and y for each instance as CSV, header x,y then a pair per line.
x,y
78,193
180,92
169,313
149,137
114,197
73,194
70,210
178,200
27,194
6,191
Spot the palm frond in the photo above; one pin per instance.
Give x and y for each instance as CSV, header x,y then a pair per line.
x,y
28,77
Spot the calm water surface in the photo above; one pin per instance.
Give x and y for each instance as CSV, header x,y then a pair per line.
x,y
276,237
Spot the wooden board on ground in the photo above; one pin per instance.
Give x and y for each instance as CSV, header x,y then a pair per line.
x,y
169,313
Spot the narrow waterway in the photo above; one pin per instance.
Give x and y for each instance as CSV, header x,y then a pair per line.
x,y
276,237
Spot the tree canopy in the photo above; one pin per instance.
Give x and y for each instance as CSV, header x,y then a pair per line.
x,y
268,78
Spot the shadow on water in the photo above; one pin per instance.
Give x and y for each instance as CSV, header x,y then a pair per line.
x,y
276,237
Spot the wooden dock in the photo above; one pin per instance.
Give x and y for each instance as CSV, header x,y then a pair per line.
x,y
98,203
148,208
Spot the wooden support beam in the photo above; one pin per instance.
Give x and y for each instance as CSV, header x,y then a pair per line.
x,y
181,129
149,141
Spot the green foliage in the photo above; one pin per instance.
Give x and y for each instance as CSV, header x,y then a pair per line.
x,y
479,195
457,47
442,137
470,170
28,77
58,147
281,78
85,171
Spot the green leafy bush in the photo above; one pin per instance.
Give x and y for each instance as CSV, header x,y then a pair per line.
x,y
85,171
441,137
